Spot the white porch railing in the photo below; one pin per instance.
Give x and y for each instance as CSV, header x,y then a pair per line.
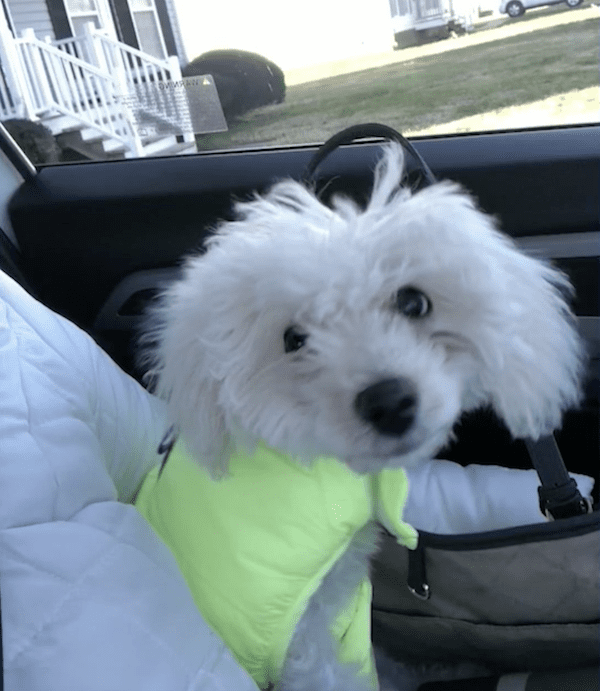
x,y
9,105
144,77
76,46
59,82
99,82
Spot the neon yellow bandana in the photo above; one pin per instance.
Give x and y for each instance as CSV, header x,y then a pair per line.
x,y
256,545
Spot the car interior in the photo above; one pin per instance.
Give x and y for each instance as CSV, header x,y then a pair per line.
x,y
95,241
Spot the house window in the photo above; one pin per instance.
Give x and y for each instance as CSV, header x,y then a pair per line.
x,y
399,8
80,12
429,8
147,27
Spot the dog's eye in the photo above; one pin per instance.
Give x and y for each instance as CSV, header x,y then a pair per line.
x,y
412,303
293,339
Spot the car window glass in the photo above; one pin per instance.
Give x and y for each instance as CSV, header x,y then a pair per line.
x,y
97,80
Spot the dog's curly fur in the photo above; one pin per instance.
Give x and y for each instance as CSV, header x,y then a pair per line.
x,y
297,309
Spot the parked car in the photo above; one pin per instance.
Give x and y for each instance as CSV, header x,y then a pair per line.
x,y
516,8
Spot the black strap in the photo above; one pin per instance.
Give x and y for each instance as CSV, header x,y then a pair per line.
x,y
559,496
166,446
415,165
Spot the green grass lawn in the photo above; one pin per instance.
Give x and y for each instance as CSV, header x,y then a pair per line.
x,y
429,90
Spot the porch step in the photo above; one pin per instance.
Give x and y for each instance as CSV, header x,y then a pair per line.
x,y
57,124
177,149
70,131
93,149
157,144
152,146
97,145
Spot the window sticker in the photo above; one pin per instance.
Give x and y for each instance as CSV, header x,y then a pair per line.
x,y
186,106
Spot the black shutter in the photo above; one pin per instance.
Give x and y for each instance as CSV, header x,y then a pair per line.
x,y
124,23
59,19
165,26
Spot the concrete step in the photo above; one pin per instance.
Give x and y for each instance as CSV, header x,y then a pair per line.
x,y
179,149
94,150
97,145
57,124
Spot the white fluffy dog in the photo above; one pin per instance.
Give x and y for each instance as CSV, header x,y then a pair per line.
x,y
359,334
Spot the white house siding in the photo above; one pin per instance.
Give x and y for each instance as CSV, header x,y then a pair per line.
x,y
33,14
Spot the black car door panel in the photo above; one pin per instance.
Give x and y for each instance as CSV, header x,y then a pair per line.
x,y
84,227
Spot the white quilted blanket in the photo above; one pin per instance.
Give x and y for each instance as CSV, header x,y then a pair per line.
x,y
91,599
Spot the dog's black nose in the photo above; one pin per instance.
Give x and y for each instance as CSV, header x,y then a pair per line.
x,y
390,405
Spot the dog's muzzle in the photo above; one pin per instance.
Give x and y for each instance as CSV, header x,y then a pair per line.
x,y
389,405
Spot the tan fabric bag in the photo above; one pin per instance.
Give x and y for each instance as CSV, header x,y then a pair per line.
x,y
520,599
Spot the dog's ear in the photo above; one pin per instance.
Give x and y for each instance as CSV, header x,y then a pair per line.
x,y
178,369
535,359
519,318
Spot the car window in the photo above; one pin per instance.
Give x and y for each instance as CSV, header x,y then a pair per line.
x,y
96,80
